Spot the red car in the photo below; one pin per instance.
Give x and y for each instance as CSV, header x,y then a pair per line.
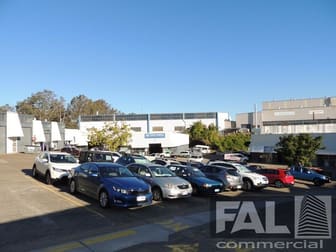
x,y
277,177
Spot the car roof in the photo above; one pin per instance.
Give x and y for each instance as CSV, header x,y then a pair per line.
x,y
57,153
104,164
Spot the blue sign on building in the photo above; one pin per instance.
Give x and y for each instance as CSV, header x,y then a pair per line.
x,y
155,135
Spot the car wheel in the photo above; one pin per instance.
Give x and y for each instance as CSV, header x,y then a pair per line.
x,y
317,182
104,199
73,186
194,189
157,194
247,186
278,184
34,173
48,178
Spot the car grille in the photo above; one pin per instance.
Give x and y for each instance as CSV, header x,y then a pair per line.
x,y
138,192
183,186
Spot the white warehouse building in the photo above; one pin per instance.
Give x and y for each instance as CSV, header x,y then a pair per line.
x,y
150,132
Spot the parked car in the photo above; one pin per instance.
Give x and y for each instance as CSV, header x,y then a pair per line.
x,y
165,162
132,158
164,183
97,156
228,176
111,184
304,173
277,177
73,150
53,165
251,180
199,182
195,158
236,157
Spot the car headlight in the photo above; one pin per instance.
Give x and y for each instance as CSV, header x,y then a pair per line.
x,y
120,190
229,178
169,186
59,170
206,185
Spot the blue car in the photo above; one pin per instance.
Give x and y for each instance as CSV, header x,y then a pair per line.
x,y
111,184
199,182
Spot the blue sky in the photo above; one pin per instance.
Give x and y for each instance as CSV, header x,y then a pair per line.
x,y
165,56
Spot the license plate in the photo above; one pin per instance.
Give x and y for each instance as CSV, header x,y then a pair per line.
x,y
217,190
184,193
141,198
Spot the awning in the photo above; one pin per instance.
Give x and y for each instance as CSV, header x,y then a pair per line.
x,y
14,128
38,132
55,132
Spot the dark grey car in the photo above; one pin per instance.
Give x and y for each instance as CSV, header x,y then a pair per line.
x,y
228,176
164,183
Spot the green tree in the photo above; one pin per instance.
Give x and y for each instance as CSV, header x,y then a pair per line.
x,y
6,108
82,105
43,105
110,137
201,134
197,133
294,149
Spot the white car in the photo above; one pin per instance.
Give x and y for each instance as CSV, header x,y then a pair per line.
x,y
54,165
251,180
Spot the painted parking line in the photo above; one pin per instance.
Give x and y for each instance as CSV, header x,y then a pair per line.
x,y
84,245
173,225
66,247
65,197
108,237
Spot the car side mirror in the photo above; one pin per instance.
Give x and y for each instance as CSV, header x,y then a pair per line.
x,y
44,160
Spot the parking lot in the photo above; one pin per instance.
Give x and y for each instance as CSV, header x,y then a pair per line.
x,y
39,217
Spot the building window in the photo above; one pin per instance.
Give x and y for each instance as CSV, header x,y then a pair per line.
x,y
137,129
157,128
179,128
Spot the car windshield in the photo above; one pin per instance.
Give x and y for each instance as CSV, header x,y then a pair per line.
x,y
109,172
160,171
140,160
232,172
61,158
242,168
196,172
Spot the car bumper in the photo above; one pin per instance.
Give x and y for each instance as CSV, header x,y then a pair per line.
x,y
131,200
176,193
209,190
60,175
234,186
261,184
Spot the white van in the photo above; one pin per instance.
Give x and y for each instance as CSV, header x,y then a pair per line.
x,y
202,148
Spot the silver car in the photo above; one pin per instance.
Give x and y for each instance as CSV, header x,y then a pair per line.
x,y
164,183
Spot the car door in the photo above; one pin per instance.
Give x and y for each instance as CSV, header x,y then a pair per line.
x,y
82,178
146,174
299,173
93,180
42,162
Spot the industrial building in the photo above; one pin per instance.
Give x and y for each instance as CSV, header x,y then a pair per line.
x,y
150,132
155,132
316,116
23,133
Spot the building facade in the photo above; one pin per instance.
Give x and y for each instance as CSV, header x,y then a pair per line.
x,y
316,116
22,133
152,132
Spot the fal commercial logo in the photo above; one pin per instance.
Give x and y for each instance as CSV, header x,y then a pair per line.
x,y
299,217
313,217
